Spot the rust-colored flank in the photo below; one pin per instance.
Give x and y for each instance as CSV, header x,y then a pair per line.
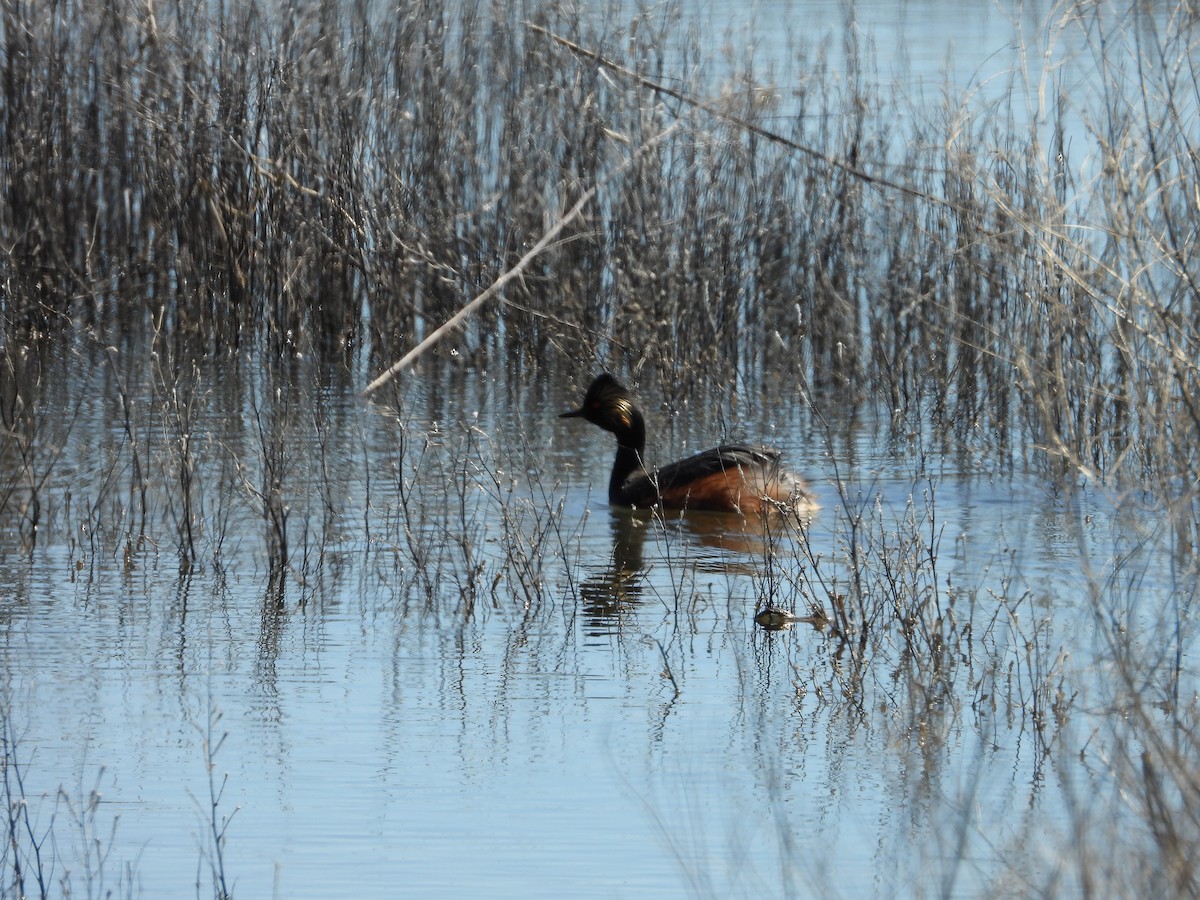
x,y
720,490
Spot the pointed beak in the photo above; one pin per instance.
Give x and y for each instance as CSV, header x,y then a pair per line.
x,y
573,414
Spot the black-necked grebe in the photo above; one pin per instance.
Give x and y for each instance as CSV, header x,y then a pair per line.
x,y
730,478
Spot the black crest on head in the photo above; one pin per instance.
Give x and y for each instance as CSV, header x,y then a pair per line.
x,y
606,403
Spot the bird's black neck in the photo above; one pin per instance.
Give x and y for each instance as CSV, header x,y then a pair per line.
x,y
631,443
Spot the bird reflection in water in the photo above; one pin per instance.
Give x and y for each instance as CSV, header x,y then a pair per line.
x,y
730,544
608,594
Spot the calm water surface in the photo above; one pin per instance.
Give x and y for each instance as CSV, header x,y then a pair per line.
x,y
605,720
627,730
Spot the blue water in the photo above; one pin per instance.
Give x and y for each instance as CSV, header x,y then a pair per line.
x,y
623,729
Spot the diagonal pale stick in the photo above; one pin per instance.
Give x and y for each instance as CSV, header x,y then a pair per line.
x,y
739,121
454,321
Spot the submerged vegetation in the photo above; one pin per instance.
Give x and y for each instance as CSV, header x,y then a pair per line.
x,y
219,221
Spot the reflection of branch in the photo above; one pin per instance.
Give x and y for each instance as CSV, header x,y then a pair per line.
x,y
26,860
667,666
218,824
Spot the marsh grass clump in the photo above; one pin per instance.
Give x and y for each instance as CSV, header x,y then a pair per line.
x,y
218,221
28,461
470,526
333,181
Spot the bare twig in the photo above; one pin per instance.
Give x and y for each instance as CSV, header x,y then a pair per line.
x,y
459,317
719,113
499,284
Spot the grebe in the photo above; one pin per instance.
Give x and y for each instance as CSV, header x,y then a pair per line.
x,y
730,478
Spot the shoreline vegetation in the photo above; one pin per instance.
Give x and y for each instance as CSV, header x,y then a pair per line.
x,y
199,202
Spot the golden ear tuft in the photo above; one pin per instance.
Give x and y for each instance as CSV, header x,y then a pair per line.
x,y
622,410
